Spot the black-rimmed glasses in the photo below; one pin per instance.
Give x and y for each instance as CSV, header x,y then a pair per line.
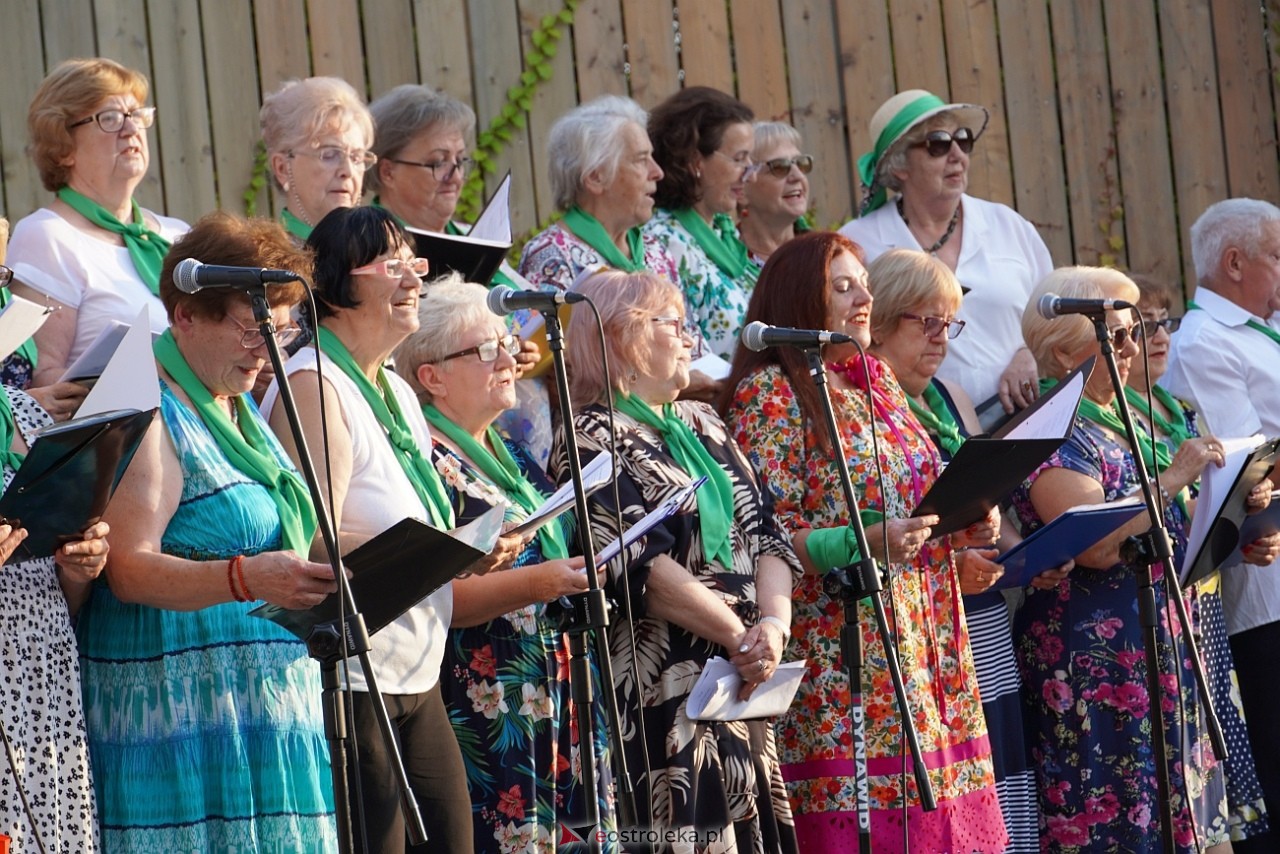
x,y
938,142
111,121
488,351
934,325
1168,324
462,166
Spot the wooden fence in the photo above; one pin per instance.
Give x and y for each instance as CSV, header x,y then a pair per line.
x,y
1114,122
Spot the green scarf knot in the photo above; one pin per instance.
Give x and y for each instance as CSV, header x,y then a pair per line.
x,y
146,248
720,241
936,418
591,232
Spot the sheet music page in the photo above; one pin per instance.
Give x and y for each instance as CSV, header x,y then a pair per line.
x,y
1053,419
1215,486
93,361
19,321
648,523
595,474
129,381
494,222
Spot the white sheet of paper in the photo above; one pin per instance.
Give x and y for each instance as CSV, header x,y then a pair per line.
x,y
1215,486
711,365
1053,419
494,222
483,531
129,381
19,321
715,695
93,361
649,522
595,474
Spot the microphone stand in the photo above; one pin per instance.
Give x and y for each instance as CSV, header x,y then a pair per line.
x,y
327,644
587,613
1144,551
861,580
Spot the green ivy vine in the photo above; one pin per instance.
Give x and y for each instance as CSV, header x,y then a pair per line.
x,y
257,179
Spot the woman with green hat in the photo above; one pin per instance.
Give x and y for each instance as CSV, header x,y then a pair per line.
x,y
922,147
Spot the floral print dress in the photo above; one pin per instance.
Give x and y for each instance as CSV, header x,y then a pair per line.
x,y
924,612
716,784
1081,653
505,684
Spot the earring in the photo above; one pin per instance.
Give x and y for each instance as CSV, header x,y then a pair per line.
x,y
697,174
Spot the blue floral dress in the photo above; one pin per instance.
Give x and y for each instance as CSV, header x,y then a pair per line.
x,y
1081,655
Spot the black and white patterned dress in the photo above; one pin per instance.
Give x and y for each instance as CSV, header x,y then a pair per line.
x,y
705,775
40,705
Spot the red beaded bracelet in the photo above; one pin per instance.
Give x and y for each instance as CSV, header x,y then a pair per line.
x,y
248,596
231,578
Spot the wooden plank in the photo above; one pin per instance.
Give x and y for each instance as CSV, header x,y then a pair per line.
x,y
496,66
919,45
228,34
651,50
180,93
599,49
759,60
816,110
24,69
866,72
389,47
280,27
1084,92
67,30
704,44
975,79
1272,14
1244,87
1150,224
1191,95
554,98
1031,105
122,36
444,46
334,27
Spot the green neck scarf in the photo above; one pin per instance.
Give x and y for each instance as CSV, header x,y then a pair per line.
x,y
246,447
1175,429
146,248
906,117
1251,323
27,349
936,418
295,226
8,427
715,497
453,228
382,400
501,468
1156,458
592,233
720,241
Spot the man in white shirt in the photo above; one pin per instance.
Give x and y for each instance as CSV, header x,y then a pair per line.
x,y
1225,361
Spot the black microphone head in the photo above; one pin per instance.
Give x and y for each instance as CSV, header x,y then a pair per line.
x,y
184,275
497,299
753,335
1047,307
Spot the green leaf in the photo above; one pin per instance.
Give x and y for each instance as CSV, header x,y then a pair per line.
x,y
544,70
518,121
548,21
1116,242
528,78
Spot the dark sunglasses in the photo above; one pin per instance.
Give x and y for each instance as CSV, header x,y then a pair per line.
x,y
934,325
938,142
1121,335
780,167
1169,324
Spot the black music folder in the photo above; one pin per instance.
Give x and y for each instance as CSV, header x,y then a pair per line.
x,y
988,468
477,255
69,476
1232,526
396,570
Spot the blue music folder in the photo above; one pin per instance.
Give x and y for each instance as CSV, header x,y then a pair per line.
x,y
1075,531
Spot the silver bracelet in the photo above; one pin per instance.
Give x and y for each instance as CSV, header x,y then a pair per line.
x,y
778,623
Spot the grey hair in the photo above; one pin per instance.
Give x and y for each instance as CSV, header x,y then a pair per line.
x,y
408,110
586,139
1044,335
1231,222
301,110
449,308
770,134
895,159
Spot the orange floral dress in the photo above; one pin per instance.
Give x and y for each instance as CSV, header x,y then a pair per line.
x,y
924,612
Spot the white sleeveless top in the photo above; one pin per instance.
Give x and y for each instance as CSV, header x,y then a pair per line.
x,y
406,654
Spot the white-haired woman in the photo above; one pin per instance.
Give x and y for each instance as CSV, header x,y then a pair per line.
x,y
508,695
773,206
714,578
1080,645
317,133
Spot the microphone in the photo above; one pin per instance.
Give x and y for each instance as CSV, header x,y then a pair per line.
x,y
191,276
503,300
1052,305
758,335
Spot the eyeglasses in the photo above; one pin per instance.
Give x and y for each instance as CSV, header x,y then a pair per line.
x,y
780,167
1121,335
6,276
677,323
333,156
110,121
938,142
742,161
1168,324
488,351
251,336
395,268
462,166
934,325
